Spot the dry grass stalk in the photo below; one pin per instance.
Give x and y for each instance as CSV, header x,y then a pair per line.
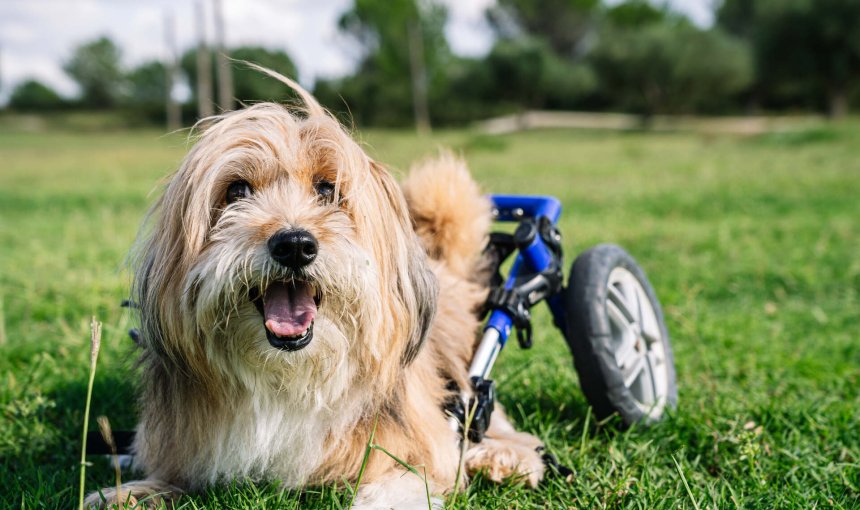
x,y
107,435
95,343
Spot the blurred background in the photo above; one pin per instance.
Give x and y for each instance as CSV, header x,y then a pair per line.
x,y
435,63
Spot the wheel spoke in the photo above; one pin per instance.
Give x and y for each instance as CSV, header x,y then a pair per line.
x,y
618,318
615,297
624,335
649,389
626,354
648,319
629,287
658,372
634,370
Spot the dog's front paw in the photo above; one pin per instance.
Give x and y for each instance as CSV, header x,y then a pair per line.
x,y
501,460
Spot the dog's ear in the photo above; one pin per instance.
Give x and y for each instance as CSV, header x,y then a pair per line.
x,y
177,226
426,291
415,283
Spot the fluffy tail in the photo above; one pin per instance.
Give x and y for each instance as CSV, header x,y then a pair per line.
x,y
451,216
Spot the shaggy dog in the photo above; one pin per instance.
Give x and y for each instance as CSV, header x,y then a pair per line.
x,y
293,299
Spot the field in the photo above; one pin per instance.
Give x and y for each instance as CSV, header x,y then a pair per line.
x,y
751,243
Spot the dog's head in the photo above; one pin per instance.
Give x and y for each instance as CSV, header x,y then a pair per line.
x,y
279,244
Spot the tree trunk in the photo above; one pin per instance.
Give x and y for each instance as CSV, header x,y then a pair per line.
x,y
171,69
225,72
419,77
837,102
204,66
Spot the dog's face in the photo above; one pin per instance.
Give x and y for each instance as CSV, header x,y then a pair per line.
x,y
280,247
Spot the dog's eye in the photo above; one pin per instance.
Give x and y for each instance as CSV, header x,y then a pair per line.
x,y
325,190
238,190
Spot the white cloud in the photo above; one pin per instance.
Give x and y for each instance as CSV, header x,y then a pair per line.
x,y
468,31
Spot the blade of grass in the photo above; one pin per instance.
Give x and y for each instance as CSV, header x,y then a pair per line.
x,y
686,485
95,343
2,322
367,451
464,445
584,432
411,469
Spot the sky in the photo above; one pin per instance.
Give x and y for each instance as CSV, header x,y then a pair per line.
x,y
37,36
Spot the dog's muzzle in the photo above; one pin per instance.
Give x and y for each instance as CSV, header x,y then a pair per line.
x,y
288,309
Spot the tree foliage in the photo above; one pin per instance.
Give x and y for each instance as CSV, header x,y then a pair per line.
x,y
635,14
33,95
381,90
148,90
563,24
528,73
669,66
518,74
249,85
95,66
803,48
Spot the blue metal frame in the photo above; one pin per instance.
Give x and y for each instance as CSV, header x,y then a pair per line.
x,y
535,258
536,273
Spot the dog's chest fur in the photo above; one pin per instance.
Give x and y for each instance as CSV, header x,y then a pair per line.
x,y
270,429
266,438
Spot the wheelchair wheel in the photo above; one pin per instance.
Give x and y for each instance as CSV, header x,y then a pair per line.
x,y
619,341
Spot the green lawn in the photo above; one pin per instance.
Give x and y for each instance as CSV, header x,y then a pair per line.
x,y
752,245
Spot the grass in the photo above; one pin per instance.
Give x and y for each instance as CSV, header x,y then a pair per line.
x,y
751,243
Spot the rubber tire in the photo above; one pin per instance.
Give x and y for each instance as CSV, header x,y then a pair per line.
x,y
587,331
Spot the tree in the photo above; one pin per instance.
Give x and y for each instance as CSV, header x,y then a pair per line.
x,y
248,84
669,66
564,24
528,73
33,95
537,61
404,54
148,90
251,85
635,14
801,47
737,17
95,66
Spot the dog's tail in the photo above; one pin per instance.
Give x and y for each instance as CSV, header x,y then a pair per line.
x,y
451,216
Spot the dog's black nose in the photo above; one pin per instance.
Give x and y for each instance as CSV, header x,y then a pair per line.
x,y
293,248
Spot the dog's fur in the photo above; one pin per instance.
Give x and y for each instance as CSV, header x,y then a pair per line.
x,y
398,273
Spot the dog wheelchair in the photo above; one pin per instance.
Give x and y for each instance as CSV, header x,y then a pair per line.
x,y
608,314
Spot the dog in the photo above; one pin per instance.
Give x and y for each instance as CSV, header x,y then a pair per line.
x,y
297,303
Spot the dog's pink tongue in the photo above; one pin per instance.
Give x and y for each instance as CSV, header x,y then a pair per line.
x,y
289,308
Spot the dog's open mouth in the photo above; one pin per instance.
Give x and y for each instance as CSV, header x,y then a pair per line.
x,y
288,310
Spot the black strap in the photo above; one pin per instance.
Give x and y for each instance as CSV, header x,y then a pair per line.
x,y
517,307
480,407
553,467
